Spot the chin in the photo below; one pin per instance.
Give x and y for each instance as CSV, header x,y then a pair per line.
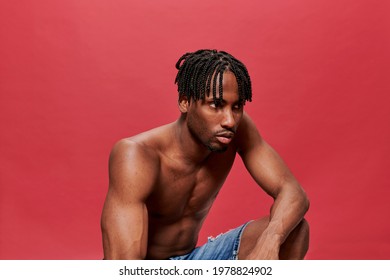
x,y
217,149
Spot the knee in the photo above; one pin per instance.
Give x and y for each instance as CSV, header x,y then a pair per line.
x,y
303,229
297,243
304,224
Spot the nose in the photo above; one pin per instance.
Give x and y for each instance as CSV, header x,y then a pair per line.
x,y
228,120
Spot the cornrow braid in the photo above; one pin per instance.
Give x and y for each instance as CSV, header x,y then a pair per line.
x,y
198,72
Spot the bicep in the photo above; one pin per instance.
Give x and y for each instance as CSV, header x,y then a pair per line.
x,y
124,228
263,163
125,218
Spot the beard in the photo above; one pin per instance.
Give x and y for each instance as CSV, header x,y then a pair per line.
x,y
204,137
216,148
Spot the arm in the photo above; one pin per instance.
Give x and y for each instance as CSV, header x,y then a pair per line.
x,y
124,220
272,174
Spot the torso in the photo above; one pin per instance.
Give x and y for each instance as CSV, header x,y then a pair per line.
x,y
181,197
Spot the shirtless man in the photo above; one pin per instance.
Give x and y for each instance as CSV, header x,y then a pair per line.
x,y
163,182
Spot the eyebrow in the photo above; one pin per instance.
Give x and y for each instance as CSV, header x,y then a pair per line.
x,y
210,98
223,101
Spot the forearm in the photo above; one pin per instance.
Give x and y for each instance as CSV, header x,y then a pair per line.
x,y
287,211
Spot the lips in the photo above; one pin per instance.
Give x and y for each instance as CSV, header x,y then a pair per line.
x,y
225,138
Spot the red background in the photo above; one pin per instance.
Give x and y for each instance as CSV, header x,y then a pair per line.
x,y
76,76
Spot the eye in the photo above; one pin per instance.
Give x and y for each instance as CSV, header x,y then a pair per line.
x,y
215,104
238,106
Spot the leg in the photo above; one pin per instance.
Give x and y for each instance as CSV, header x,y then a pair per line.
x,y
295,246
297,243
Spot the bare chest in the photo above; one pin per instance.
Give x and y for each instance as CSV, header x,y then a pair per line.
x,y
183,192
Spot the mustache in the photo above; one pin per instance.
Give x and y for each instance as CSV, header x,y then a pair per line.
x,y
226,132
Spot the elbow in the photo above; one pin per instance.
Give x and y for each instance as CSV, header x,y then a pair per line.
x,y
305,202
301,199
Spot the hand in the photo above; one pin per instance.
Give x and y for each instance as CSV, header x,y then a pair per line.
x,y
267,248
264,254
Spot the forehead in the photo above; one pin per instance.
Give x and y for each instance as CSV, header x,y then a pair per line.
x,y
229,85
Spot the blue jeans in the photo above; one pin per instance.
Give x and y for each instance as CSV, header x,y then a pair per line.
x,y
223,247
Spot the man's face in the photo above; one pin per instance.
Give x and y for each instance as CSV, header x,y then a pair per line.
x,y
214,124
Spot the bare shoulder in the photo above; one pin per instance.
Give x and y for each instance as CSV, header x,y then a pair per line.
x,y
133,167
246,121
248,135
130,150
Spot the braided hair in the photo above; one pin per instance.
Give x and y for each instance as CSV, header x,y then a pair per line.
x,y
199,71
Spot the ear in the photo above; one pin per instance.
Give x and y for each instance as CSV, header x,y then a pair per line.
x,y
184,103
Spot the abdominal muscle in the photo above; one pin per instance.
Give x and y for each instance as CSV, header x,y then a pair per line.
x,y
173,239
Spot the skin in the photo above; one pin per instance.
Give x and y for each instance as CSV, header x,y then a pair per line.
x,y
163,183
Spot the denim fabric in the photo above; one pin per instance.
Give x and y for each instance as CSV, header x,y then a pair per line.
x,y
223,247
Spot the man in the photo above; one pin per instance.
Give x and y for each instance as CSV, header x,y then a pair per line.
x,y
164,181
